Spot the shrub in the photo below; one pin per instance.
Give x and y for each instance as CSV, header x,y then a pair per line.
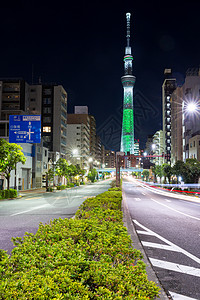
x,y
7,194
61,187
89,257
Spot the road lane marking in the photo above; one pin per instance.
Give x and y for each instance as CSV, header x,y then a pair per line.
x,y
175,267
189,216
168,200
29,210
159,246
144,232
137,199
193,257
176,296
143,194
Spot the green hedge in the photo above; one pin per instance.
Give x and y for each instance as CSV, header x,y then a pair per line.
x,y
7,194
89,257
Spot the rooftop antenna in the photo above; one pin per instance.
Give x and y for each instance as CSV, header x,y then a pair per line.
x,y
128,18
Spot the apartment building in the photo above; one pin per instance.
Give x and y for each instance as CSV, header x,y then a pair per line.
x,y
168,87
50,100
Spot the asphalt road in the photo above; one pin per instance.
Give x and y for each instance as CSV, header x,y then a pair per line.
x,y
24,215
169,230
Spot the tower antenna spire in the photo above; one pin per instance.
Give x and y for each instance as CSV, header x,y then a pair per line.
x,y
128,18
128,81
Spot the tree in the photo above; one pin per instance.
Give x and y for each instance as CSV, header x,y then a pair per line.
x,y
179,169
146,174
10,155
193,170
72,171
61,168
49,176
92,175
81,172
157,170
167,171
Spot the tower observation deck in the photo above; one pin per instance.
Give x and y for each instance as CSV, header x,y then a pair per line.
x,y
128,81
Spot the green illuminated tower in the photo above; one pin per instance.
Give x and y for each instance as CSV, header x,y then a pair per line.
x,y
128,81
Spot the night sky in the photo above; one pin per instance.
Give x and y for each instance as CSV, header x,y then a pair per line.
x,y
80,44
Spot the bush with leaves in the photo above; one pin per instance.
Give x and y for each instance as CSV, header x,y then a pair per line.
x,y
89,257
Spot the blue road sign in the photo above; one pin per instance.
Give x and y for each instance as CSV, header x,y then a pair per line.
x,y
25,129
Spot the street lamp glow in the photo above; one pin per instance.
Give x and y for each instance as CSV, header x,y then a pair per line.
x,y
75,151
153,146
145,154
90,159
191,107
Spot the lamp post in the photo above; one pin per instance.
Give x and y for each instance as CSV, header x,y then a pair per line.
x,y
188,109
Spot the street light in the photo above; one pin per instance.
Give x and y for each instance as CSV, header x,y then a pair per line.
x,y
191,108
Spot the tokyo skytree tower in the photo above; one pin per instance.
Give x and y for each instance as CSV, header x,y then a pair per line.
x,y
128,81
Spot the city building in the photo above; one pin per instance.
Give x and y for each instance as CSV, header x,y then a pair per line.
x,y
136,147
109,159
14,100
78,137
168,87
185,121
50,100
100,151
158,149
194,147
128,81
176,125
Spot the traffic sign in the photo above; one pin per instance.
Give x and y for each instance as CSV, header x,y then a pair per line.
x,y
25,129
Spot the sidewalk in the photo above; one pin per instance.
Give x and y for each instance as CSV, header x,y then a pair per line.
x,y
31,192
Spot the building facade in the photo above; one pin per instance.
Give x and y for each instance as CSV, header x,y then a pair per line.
x,y
168,88
50,101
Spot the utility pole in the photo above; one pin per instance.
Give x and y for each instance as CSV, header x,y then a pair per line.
x,y
118,163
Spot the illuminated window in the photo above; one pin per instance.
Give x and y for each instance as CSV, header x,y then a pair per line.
x,y
46,129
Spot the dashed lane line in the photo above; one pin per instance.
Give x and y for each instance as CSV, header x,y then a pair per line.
x,y
180,212
175,267
29,210
176,296
193,257
137,199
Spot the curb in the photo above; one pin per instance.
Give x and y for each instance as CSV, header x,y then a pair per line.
x,y
137,245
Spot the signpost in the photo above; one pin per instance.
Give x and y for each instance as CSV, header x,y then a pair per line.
x,y
25,129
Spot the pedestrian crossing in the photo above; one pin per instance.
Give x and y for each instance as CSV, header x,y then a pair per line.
x,y
155,245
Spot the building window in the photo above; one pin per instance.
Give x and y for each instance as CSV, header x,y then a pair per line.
x,y
32,99
45,153
47,110
46,119
190,145
194,143
47,92
46,129
78,133
47,139
47,101
78,127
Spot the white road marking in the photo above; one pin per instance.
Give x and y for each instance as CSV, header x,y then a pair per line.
x,y
25,211
144,232
159,246
168,200
137,199
180,297
189,216
193,257
143,194
175,267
